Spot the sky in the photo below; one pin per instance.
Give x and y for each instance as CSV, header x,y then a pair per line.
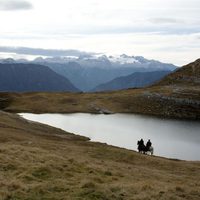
x,y
165,30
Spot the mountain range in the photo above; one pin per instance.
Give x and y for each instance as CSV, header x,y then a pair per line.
x,y
88,72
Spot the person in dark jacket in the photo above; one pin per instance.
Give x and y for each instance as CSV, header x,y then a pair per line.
x,y
148,145
140,144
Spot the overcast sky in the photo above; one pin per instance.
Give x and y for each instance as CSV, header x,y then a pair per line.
x,y
166,30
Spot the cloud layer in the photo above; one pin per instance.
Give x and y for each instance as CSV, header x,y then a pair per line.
x,y
42,52
11,5
166,30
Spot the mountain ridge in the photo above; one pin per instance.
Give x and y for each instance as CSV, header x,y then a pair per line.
x,y
87,71
188,74
32,77
135,80
93,71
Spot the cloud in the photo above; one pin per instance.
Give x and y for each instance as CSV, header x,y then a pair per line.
x,y
12,5
42,52
165,21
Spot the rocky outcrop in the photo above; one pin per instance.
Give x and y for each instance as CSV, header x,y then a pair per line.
x,y
99,110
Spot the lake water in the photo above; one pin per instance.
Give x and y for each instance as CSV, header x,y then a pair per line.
x,y
170,138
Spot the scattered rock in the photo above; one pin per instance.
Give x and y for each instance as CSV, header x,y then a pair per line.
x,y
100,110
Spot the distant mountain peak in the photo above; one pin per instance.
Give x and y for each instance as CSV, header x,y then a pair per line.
x,y
123,59
7,60
124,56
39,59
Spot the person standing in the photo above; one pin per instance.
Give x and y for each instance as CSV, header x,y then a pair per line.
x,y
140,144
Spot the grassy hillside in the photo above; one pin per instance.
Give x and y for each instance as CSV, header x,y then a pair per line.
x,y
176,96
173,102
41,162
188,75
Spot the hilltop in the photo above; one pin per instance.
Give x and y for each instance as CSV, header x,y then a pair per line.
x,y
188,75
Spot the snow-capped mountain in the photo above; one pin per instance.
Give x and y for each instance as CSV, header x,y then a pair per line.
x,y
101,60
87,71
123,59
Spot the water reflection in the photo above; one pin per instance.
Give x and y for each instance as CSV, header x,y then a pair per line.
x,y
170,138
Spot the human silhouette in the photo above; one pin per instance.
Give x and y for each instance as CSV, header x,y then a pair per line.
x,y
148,145
140,144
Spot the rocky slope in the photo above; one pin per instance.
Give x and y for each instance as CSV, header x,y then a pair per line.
x,y
188,75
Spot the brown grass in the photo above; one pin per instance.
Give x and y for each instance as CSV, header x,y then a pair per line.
x,y
167,101
41,162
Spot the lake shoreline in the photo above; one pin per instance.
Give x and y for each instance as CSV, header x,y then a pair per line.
x,y
166,102
102,133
